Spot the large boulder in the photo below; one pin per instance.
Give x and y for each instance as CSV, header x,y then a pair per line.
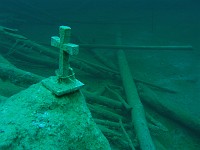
x,y
36,119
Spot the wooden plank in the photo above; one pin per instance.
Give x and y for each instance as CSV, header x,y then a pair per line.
x,y
132,47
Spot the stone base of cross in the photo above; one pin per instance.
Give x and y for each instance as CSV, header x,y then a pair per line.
x,y
64,82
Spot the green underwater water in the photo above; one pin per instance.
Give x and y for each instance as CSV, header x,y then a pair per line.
x,y
140,23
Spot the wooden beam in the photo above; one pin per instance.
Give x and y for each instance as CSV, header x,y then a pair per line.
x,y
173,112
132,47
137,111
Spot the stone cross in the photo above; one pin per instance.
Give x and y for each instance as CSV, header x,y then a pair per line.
x,y
65,81
66,49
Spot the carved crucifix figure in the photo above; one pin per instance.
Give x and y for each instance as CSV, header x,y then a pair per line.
x,y
66,49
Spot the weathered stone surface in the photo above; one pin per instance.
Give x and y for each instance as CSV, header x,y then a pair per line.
x,y
37,119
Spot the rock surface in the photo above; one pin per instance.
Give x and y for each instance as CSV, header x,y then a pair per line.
x,y
37,119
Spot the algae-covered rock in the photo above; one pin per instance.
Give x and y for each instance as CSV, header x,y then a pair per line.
x,y
37,119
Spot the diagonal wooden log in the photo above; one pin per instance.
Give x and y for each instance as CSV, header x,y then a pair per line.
x,y
126,135
115,137
108,131
119,98
137,111
174,112
111,124
18,76
3,60
103,100
100,111
101,58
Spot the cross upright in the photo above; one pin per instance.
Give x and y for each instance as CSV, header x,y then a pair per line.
x,y
64,82
66,49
